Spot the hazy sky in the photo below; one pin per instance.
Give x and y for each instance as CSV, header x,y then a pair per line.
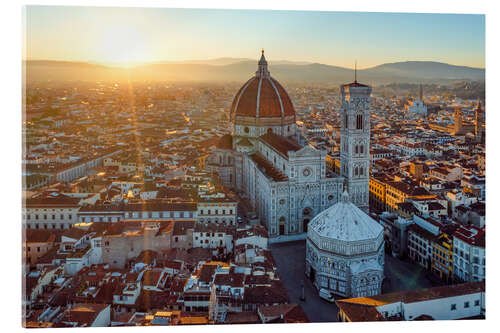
x,y
120,35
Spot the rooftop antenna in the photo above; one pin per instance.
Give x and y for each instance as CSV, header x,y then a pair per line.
x,y
355,71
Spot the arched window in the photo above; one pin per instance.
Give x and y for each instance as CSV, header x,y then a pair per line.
x,y
361,171
356,149
220,159
359,121
356,171
345,121
361,149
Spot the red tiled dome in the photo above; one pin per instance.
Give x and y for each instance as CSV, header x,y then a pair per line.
x,y
262,97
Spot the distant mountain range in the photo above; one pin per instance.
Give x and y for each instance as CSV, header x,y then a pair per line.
x,y
230,61
240,69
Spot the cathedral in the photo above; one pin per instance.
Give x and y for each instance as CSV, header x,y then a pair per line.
x,y
286,183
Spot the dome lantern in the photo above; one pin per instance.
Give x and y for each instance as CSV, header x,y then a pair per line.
x,y
262,70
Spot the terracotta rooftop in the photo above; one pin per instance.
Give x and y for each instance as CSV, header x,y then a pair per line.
x,y
151,277
421,232
39,236
225,142
280,143
262,97
359,312
419,295
83,314
245,317
181,227
364,308
52,199
472,235
74,233
286,313
265,295
232,279
267,168
207,273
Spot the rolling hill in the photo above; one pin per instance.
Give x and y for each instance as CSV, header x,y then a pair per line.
x,y
239,70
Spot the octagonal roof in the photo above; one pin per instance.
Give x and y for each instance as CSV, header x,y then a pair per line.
x,y
344,221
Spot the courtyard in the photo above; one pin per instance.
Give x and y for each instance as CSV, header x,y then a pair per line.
x,y
290,260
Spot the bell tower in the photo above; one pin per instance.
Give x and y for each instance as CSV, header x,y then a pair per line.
x,y
355,141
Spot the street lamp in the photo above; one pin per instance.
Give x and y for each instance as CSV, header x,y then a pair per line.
x,y
303,296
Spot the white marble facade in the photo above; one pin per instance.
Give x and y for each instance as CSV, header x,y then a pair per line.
x,y
345,251
286,207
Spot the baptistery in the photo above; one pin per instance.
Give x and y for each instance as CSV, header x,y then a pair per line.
x,y
345,251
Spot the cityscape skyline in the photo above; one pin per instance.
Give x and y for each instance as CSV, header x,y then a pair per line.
x,y
124,36
162,192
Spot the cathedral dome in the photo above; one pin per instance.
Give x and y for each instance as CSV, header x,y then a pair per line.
x,y
262,100
346,229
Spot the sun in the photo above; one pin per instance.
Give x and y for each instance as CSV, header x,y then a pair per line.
x,y
123,46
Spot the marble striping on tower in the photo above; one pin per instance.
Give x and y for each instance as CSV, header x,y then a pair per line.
x,y
355,141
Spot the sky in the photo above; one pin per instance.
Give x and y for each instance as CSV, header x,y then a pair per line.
x,y
129,35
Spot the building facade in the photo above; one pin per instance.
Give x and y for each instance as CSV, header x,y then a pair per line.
x,y
469,255
459,301
218,211
50,211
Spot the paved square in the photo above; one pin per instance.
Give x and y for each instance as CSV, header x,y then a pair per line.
x,y
290,259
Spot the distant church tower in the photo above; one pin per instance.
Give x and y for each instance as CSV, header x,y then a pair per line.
x,y
355,141
478,121
458,122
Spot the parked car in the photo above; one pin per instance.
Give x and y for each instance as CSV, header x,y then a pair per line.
x,y
326,295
